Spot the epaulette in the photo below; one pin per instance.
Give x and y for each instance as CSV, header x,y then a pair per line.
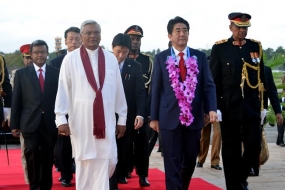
x,y
255,41
260,46
221,41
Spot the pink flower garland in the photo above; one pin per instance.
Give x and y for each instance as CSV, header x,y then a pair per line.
x,y
184,91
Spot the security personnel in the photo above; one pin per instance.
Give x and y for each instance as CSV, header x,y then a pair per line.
x,y
238,71
141,163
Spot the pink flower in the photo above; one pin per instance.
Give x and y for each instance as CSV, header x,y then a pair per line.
x,y
184,91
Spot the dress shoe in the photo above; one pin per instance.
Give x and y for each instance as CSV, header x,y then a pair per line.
x,y
217,167
143,181
60,179
122,180
281,144
65,183
199,165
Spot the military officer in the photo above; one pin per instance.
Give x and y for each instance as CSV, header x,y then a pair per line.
x,y
238,71
140,136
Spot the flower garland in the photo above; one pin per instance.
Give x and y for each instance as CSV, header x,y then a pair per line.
x,y
184,91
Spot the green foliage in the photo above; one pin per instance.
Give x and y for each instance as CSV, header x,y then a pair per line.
x,y
275,59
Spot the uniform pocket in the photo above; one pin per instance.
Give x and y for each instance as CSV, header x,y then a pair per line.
x,y
228,67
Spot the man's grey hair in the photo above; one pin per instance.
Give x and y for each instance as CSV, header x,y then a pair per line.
x,y
86,22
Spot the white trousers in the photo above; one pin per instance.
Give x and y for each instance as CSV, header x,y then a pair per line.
x,y
94,174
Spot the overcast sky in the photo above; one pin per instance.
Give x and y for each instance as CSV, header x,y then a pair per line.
x,y
23,21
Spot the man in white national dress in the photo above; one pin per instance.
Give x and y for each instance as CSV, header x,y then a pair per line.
x,y
90,91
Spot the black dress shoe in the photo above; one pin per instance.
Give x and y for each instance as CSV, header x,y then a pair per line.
x,y
199,165
217,167
143,181
122,180
65,183
281,144
60,179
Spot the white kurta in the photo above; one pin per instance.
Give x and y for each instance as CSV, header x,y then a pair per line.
x,y
75,97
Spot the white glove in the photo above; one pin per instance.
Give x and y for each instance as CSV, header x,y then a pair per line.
x,y
262,116
7,113
219,113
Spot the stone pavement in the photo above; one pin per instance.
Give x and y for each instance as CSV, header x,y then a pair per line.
x,y
271,175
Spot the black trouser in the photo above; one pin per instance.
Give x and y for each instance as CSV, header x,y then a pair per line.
x,y
152,138
138,151
63,155
39,153
280,136
181,147
236,165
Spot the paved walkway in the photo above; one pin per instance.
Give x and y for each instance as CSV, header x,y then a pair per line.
x,y
271,175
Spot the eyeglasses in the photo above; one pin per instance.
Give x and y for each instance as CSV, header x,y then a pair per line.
x,y
27,57
96,33
39,52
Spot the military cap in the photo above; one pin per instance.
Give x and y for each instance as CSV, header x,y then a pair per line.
x,y
134,30
25,50
240,19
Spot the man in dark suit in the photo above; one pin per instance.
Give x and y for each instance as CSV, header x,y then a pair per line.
x,y
63,149
135,96
238,71
177,98
32,113
272,94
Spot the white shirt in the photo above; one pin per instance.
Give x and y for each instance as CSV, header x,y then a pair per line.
x,y
176,52
43,70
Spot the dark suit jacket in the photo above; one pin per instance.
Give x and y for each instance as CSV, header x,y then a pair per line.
x,y
56,62
226,66
271,91
164,105
134,90
29,103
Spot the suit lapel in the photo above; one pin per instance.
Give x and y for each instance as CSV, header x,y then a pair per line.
x,y
47,78
126,70
34,78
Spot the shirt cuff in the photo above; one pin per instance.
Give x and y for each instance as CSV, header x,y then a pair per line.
x,y
140,116
122,121
60,120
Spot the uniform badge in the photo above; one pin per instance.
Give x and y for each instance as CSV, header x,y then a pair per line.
x,y
254,57
243,18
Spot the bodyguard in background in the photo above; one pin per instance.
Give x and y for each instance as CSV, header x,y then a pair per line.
x,y
32,113
135,96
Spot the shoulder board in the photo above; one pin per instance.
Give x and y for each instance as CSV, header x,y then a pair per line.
x,y
221,41
255,41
